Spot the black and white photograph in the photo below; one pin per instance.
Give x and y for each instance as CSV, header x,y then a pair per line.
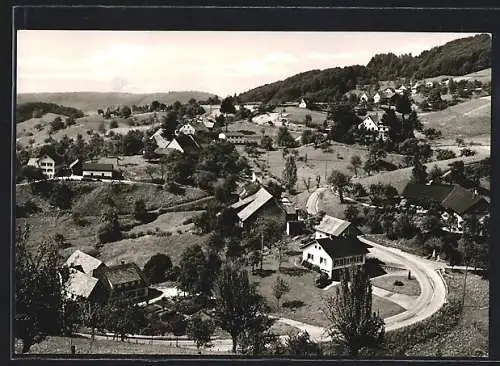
x,y
320,194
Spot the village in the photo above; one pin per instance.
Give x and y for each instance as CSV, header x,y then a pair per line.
x,y
222,226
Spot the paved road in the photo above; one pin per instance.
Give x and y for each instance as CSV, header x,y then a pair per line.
x,y
313,200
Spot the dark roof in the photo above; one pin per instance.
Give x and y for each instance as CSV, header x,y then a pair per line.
x,y
461,200
187,142
419,192
342,247
98,167
124,273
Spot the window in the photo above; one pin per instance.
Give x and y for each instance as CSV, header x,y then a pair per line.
x,y
310,256
321,260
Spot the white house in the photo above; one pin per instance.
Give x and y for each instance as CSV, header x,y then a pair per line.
x,y
182,143
389,92
368,124
363,97
46,164
304,103
161,141
92,170
376,98
372,123
332,254
429,84
187,129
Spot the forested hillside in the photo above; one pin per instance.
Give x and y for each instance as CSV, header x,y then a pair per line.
x,y
458,57
26,111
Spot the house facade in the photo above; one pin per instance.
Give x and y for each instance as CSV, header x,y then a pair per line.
x,y
334,254
372,124
127,281
46,164
238,138
376,98
304,103
92,170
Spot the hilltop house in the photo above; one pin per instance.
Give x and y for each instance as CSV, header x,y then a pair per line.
x,y
260,204
93,170
332,227
333,254
376,98
46,163
161,141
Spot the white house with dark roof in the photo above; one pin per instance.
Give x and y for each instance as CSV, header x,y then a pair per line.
x,y
372,123
126,280
331,254
376,98
46,164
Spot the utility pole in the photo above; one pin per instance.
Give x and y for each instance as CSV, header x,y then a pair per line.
x,y
326,171
261,250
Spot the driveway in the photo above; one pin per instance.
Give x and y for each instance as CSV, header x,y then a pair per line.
x,y
313,200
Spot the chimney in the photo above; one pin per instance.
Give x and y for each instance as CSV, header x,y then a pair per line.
x,y
122,261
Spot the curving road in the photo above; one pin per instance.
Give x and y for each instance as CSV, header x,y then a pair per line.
x,y
427,273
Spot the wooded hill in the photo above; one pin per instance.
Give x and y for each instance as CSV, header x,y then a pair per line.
x,y
458,57
91,101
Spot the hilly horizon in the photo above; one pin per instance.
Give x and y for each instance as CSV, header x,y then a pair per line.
x,y
458,57
91,101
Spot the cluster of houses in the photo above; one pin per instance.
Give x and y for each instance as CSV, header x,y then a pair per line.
x,y
92,280
456,200
50,165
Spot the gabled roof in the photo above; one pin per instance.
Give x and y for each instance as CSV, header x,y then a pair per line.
x,y
98,167
461,200
426,192
186,142
340,247
80,284
252,203
87,262
332,225
124,273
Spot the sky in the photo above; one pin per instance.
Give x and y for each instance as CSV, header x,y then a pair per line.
x,y
223,63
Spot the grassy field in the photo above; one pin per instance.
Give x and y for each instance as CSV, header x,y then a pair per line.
x,y
319,162
133,167
298,115
331,205
139,250
410,287
470,338
84,346
305,302
467,120
170,221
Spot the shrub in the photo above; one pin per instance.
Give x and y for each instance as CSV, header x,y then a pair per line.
x,y
168,233
398,283
179,231
445,154
323,280
113,124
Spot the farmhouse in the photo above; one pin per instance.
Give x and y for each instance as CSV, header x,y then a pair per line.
x,y
182,143
46,164
92,170
332,227
161,141
260,204
333,254
85,263
456,200
127,280
373,124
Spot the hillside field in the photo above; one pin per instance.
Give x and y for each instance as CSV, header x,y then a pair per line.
x,y
467,120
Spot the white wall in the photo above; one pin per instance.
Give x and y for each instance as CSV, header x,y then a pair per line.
x,y
317,252
92,173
